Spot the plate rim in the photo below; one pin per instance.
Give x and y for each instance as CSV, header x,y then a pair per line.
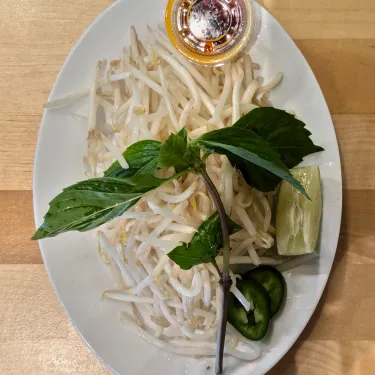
x,y
286,348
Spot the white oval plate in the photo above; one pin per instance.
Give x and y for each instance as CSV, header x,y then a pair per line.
x,y
74,267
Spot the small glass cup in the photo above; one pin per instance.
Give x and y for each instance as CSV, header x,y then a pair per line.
x,y
210,32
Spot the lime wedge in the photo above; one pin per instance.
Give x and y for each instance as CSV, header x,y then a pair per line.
x,y
297,218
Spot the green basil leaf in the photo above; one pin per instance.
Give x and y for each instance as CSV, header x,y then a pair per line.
x,y
141,156
119,172
205,244
190,159
244,146
91,203
183,134
284,133
172,151
257,177
150,168
88,204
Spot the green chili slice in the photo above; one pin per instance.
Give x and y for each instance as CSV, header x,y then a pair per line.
x,y
273,282
252,324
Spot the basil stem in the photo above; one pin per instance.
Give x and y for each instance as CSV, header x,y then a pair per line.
x,y
225,280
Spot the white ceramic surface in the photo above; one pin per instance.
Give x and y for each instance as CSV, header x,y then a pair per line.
x,y
74,267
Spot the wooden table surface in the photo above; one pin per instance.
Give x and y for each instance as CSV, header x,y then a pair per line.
x,y
338,39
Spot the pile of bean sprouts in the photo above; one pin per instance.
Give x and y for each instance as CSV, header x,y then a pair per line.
x,y
150,93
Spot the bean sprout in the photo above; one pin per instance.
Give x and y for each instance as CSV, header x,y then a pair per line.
x,y
149,94
271,85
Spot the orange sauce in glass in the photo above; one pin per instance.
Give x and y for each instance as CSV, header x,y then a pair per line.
x,y
209,31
